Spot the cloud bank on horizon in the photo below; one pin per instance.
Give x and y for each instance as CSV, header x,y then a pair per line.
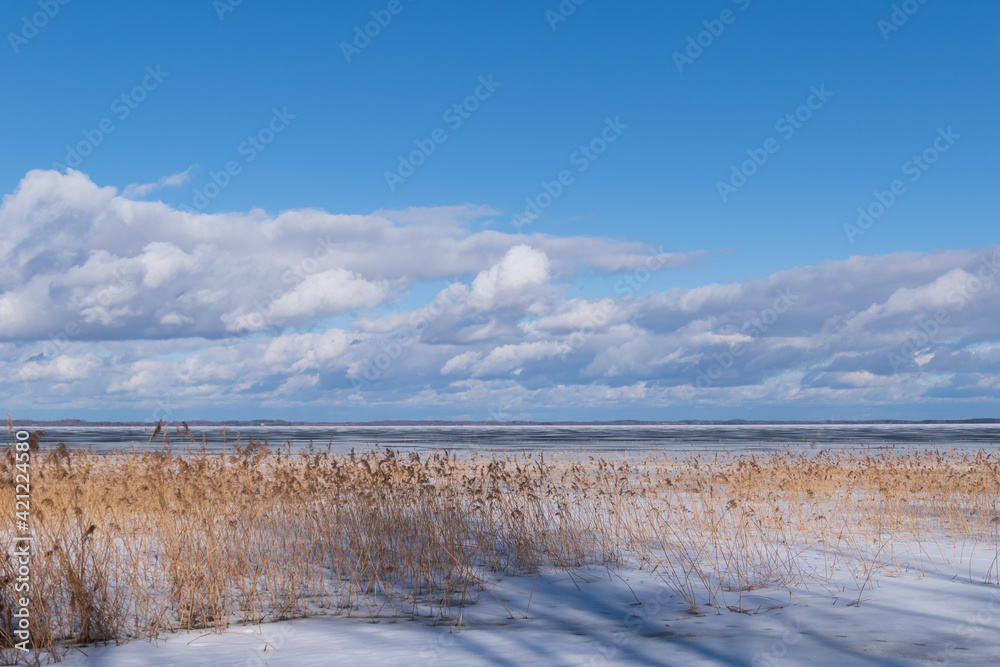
x,y
125,308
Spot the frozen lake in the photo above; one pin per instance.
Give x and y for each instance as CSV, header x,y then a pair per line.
x,y
501,437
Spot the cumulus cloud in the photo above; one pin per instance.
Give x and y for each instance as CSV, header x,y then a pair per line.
x,y
72,250
515,279
61,369
115,301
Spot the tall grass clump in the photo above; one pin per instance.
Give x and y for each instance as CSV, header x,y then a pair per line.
x,y
137,544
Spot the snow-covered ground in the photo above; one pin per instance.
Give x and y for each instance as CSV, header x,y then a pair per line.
x,y
939,613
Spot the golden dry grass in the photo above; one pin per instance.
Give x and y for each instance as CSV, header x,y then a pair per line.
x,y
137,544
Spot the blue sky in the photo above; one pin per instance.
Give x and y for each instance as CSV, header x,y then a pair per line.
x,y
199,79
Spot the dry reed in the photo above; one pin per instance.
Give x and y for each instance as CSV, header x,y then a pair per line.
x,y
136,544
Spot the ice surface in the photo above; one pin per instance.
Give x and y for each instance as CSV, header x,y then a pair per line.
x,y
930,615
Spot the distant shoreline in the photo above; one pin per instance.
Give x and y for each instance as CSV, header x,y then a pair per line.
x,y
623,422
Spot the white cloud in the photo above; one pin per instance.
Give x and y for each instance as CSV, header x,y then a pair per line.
x,y
580,315
60,369
128,302
461,362
163,261
70,250
174,319
140,190
515,279
512,357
